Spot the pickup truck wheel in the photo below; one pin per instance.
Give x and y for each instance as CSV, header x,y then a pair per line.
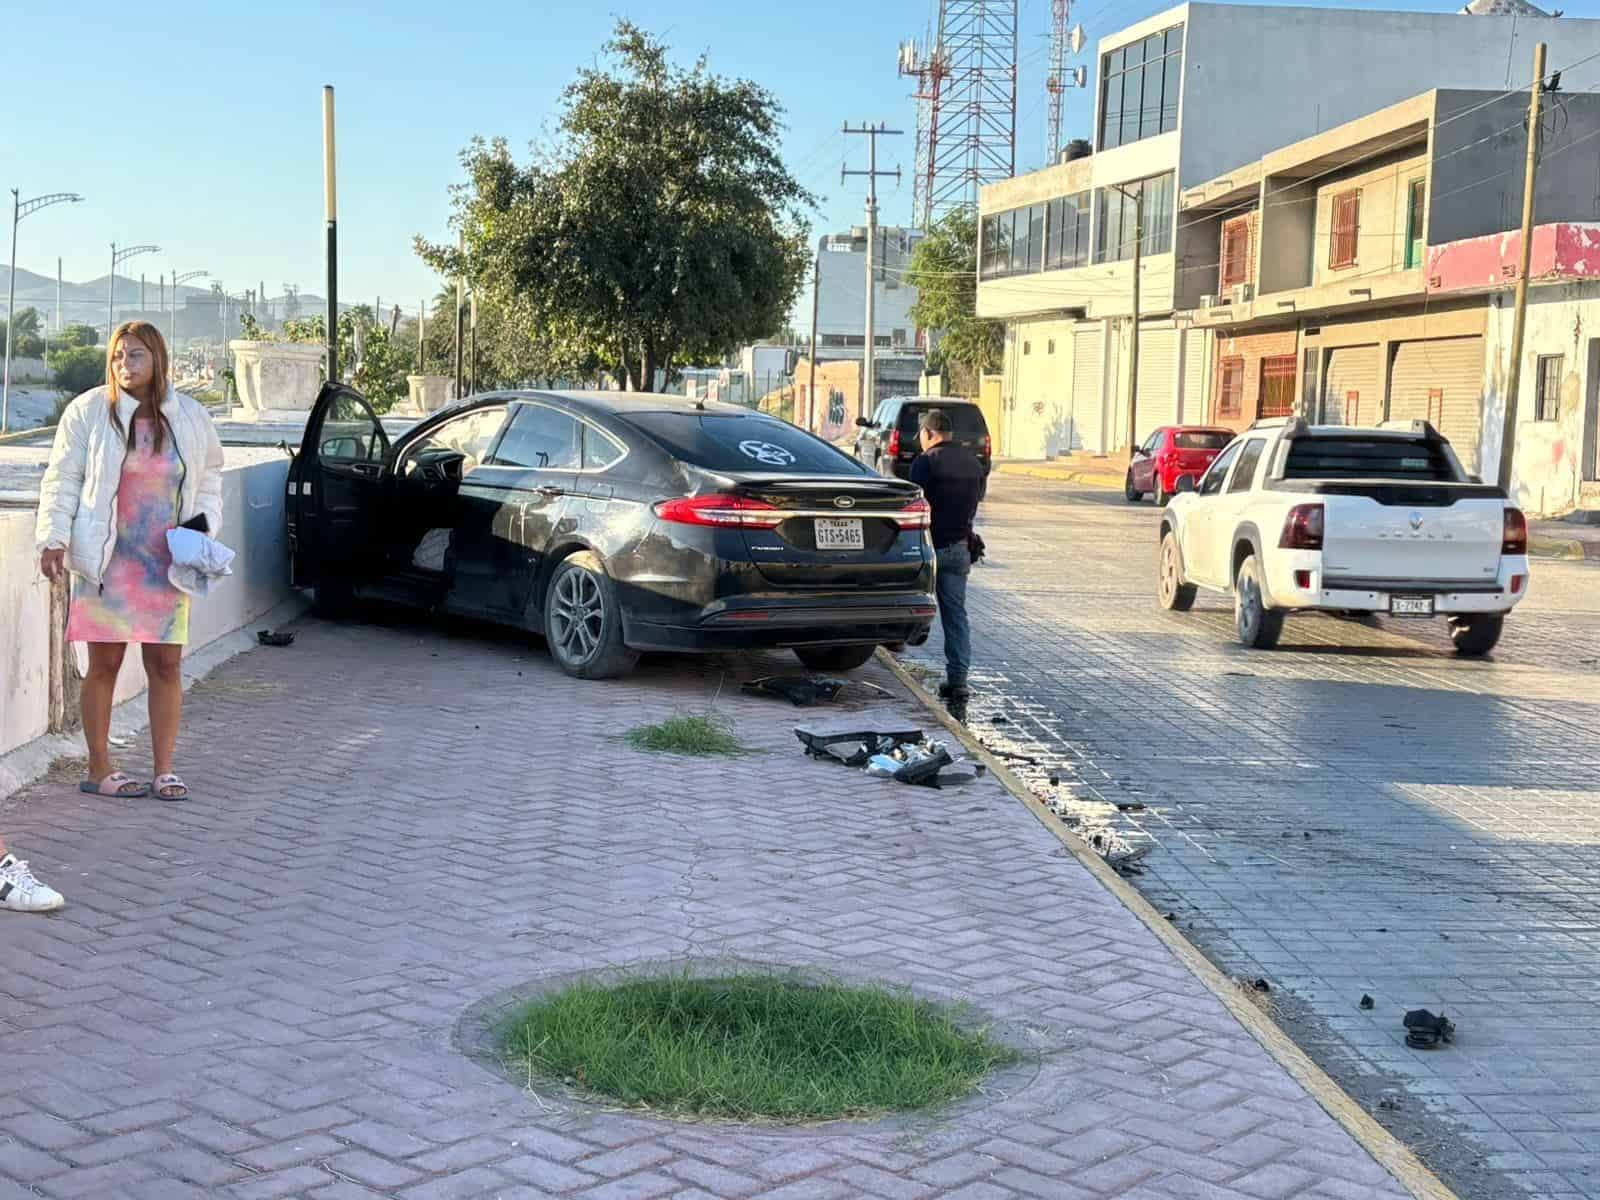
x,y
1129,493
1174,594
1259,627
1478,634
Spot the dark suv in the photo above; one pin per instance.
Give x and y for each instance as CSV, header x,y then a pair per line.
x,y
888,440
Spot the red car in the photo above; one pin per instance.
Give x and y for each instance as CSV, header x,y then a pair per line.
x,y
1169,452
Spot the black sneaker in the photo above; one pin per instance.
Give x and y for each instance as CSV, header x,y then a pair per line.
x,y
954,691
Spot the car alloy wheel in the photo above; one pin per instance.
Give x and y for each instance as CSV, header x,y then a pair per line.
x,y
1258,626
577,617
1174,594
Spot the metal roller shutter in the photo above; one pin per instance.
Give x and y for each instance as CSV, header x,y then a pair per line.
x,y
1353,394
1193,409
1086,382
1441,380
1158,380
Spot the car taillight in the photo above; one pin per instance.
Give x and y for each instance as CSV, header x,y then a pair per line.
x,y
738,512
1514,538
916,515
1302,529
894,443
986,445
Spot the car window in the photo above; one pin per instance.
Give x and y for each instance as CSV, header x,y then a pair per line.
x,y
599,450
469,435
350,433
966,418
1201,439
1212,483
1354,456
1246,474
1151,442
539,437
742,442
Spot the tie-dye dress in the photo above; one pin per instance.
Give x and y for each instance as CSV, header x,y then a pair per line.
x,y
137,602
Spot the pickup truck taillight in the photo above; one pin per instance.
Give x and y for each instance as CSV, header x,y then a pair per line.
x,y
1302,528
1514,539
894,443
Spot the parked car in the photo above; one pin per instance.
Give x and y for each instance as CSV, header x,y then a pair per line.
x,y
1169,452
613,523
888,439
1297,518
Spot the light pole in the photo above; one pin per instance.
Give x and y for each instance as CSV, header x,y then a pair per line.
x,y
172,323
118,257
21,208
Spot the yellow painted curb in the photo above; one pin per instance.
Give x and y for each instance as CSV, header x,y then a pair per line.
x,y
1094,479
1398,1158
1567,548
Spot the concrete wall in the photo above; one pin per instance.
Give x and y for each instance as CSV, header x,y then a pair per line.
x,y
1252,348
842,291
253,525
1039,409
1288,243
1381,228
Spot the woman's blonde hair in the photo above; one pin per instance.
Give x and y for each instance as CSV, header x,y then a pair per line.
x,y
150,337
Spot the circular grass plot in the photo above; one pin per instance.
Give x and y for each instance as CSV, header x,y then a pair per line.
x,y
748,1047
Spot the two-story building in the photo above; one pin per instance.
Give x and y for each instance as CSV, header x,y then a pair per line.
x,y
1183,98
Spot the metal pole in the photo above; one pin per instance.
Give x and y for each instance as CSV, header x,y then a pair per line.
x,y
461,311
172,323
872,133
58,295
111,296
1133,348
422,337
141,293
811,384
11,313
1519,321
331,214
474,301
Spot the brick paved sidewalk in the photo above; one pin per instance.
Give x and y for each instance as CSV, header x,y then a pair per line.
x,y
257,994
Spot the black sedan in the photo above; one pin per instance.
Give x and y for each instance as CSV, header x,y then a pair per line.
x,y
613,523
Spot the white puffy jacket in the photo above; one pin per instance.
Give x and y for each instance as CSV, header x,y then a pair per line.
x,y
78,498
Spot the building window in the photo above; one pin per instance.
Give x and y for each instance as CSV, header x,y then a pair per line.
x,y
1139,86
1050,346
898,337
1042,237
1230,387
1067,233
1119,218
1277,386
1027,347
1415,209
1236,266
1346,230
1547,403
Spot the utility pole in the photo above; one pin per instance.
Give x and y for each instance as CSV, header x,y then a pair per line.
x,y
461,314
1519,321
330,205
811,384
58,295
872,133
1137,197
21,208
141,292
474,302
422,336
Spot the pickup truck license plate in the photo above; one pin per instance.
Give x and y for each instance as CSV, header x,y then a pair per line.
x,y
839,535
1411,606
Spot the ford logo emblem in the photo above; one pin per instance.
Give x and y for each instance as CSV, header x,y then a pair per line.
x,y
843,502
1416,520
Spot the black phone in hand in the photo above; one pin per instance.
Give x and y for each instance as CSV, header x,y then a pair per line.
x,y
198,523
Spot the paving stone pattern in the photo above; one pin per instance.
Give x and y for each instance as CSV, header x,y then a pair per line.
x,y
1359,812
255,995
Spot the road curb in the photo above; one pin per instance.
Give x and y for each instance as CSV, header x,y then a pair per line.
x,y
1094,479
1384,1147
1570,549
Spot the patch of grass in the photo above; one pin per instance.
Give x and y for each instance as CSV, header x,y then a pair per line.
x,y
702,734
753,1046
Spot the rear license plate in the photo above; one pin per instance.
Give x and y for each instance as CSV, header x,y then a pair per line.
x,y
839,535
1411,606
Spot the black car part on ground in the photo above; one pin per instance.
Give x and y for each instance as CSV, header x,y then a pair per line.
x,y
853,747
1425,1031
799,690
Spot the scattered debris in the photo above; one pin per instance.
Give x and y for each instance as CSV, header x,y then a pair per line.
x,y
1366,1001
268,637
802,691
896,754
1261,985
1171,916
1390,1103
1128,863
1130,805
1055,780
1424,1031
853,747
1000,720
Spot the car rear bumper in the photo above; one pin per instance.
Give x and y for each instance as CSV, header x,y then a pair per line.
x,y
1498,595
756,623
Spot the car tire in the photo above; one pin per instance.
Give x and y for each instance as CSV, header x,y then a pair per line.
x,y
1257,625
1128,492
1160,493
1171,591
834,658
1478,634
583,620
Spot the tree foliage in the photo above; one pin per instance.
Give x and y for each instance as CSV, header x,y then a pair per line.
x,y
944,270
661,227
26,341
80,335
77,368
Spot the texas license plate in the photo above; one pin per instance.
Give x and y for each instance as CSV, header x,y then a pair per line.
x,y
1411,606
839,535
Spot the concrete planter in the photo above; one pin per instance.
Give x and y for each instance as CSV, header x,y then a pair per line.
x,y
428,394
276,378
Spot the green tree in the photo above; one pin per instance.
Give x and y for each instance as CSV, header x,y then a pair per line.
x,y
660,227
944,270
77,368
26,341
80,335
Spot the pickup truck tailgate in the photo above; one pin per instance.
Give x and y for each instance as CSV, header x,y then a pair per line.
x,y
1368,540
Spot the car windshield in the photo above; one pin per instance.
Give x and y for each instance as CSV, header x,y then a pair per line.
x,y
967,418
1201,439
740,442
1357,457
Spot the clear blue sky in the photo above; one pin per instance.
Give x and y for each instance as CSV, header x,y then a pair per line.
x,y
201,130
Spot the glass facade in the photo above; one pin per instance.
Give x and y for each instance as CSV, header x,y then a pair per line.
x,y
1118,218
1051,236
1139,88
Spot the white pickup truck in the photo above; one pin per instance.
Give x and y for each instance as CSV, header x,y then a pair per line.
x,y
1296,518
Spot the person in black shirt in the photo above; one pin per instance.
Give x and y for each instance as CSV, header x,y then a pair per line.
x,y
952,480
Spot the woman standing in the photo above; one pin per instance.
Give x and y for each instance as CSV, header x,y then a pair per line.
x,y
132,460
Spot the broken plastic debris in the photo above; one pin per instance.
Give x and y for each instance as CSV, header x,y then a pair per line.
x,y
883,766
923,770
1261,985
269,638
853,746
802,691
1366,1001
1424,1031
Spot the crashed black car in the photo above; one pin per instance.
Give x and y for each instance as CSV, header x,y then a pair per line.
x,y
613,523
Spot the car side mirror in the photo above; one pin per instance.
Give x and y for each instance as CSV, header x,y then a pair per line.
x,y
1185,483
865,423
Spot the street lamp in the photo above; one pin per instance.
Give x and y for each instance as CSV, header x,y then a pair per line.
x,y
22,208
118,257
172,323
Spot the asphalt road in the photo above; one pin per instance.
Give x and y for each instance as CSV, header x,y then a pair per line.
x,y
1356,813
